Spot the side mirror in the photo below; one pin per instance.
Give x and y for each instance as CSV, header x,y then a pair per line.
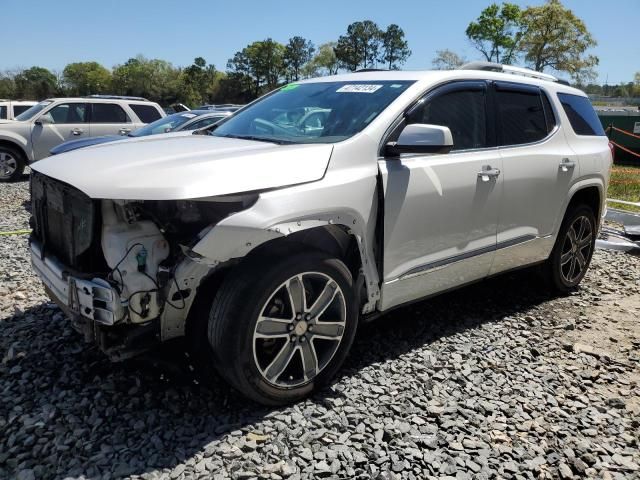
x,y
43,120
421,138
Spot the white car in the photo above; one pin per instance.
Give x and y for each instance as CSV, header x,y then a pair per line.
x,y
266,242
53,121
10,109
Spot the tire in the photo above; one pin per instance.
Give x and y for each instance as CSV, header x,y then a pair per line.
x,y
12,164
572,252
250,352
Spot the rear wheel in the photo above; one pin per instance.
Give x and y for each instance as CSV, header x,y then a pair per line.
x,y
282,328
571,255
11,164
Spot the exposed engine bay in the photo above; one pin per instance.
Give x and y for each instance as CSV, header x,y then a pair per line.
x,y
122,262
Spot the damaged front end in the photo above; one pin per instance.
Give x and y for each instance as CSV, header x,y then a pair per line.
x,y
122,270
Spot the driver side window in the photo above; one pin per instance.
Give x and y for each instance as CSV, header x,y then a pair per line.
x,y
463,111
68,113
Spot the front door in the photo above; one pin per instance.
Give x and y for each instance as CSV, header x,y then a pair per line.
x,y
62,122
441,210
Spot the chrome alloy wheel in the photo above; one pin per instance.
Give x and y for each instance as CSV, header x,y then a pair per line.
x,y
576,250
8,165
299,329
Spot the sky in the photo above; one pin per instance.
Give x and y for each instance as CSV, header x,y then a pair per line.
x,y
52,33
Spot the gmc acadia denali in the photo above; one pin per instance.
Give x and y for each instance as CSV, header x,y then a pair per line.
x,y
266,238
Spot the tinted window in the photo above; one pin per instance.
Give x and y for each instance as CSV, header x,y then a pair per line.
x,y
548,113
18,109
463,111
520,117
68,113
205,122
146,113
108,113
3,112
582,116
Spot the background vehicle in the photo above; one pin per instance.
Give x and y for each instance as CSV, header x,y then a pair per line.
x,y
53,121
177,122
266,242
9,109
225,107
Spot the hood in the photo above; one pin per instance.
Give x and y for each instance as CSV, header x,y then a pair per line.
x,y
83,142
182,166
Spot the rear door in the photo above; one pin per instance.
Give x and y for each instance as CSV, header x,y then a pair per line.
x,y
441,212
109,119
62,122
539,168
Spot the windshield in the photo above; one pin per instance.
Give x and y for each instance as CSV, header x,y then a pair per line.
x,y
322,112
28,114
164,125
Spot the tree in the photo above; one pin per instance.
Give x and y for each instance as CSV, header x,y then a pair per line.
x,y
447,60
395,49
360,46
7,85
35,83
496,32
154,79
297,53
261,61
555,38
198,82
86,78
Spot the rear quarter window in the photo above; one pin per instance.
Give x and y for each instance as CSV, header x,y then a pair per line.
x,y
146,113
581,114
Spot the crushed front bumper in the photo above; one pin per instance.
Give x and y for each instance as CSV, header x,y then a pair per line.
x,y
93,299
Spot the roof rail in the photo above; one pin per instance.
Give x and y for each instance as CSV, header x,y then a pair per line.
x,y
371,70
118,97
498,67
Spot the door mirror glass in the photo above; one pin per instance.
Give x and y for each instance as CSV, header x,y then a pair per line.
x,y
421,138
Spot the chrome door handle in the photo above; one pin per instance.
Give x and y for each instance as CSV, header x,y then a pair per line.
x,y
77,131
487,172
124,131
566,164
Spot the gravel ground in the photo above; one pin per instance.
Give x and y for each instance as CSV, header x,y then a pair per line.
x,y
498,380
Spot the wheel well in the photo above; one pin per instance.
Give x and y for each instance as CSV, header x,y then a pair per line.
x,y
15,146
589,196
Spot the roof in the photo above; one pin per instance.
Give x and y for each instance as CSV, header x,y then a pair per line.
x,y
431,77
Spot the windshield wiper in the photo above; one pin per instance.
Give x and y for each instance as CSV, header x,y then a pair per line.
x,y
258,139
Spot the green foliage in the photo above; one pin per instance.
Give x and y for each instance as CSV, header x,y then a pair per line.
x,y
262,62
324,62
297,53
86,78
395,49
198,83
360,46
149,78
496,32
35,83
7,86
447,60
555,38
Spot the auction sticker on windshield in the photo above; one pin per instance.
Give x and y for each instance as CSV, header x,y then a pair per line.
x,y
359,88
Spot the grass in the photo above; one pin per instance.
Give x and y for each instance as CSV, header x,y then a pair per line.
x,y
624,185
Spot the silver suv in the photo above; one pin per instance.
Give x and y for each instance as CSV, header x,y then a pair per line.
x,y
51,122
10,109
267,238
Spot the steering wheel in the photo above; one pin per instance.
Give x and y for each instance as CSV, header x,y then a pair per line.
x,y
259,124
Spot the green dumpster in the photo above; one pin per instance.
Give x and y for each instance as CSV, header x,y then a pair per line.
x,y
623,128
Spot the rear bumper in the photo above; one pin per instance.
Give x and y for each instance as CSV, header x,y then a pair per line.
x,y
93,299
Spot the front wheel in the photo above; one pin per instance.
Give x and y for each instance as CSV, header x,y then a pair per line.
x,y
280,328
11,164
571,255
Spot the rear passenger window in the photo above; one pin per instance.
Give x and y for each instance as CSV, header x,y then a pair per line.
x,y
582,116
18,109
108,113
146,113
520,117
463,111
3,112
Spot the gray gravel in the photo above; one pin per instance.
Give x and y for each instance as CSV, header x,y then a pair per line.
x,y
499,380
